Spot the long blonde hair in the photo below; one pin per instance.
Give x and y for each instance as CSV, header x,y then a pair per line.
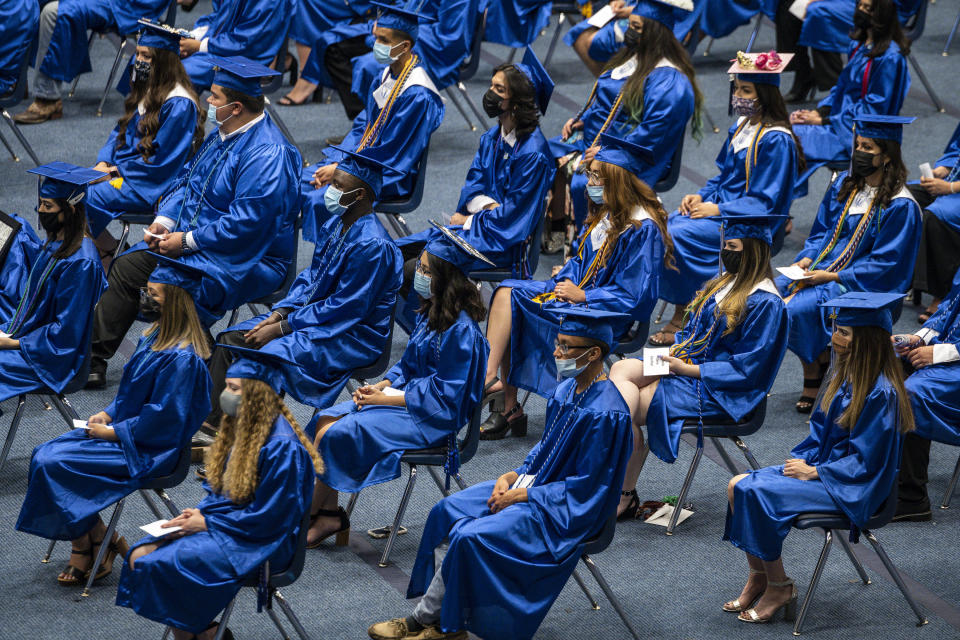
x,y
179,325
754,269
241,439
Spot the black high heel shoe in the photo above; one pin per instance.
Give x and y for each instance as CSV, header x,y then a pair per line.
x,y
500,424
801,93
632,507
291,65
343,533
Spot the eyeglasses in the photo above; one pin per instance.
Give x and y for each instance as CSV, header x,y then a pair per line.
x,y
564,349
594,177
422,270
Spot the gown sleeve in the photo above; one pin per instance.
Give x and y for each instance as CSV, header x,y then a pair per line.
x,y
107,150
886,88
667,106
475,183
952,153
893,252
635,287
710,189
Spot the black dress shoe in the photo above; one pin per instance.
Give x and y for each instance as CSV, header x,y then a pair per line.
x,y
97,378
913,512
801,93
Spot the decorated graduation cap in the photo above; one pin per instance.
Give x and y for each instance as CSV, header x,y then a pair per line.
x,y
663,11
750,225
454,249
400,17
881,127
160,36
587,322
65,181
864,309
240,74
365,168
252,364
760,68
537,74
620,152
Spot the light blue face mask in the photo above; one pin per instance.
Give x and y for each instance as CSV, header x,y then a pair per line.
x,y
212,115
595,193
421,284
230,403
567,367
381,53
332,199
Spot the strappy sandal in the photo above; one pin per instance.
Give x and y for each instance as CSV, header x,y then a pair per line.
x,y
287,101
492,397
632,507
501,424
789,607
117,546
924,315
734,606
342,534
804,402
663,341
73,575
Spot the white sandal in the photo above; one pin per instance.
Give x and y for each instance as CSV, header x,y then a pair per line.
x,y
789,607
734,606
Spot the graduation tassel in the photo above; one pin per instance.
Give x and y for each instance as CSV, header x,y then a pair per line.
x,y
452,464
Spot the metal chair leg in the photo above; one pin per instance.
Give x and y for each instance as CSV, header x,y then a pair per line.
x,y
752,461
280,124
73,86
276,623
824,554
352,503
460,482
46,558
583,587
953,32
466,98
706,52
166,632
943,505
663,308
224,619
526,396
233,317
926,83
709,120
727,460
113,74
13,154
755,33
12,431
438,480
151,504
683,490
19,134
165,498
291,616
553,40
65,409
587,560
104,546
892,570
453,98
385,558
864,578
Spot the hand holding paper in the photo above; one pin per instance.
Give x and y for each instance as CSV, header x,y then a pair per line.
x,y
653,362
794,272
156,530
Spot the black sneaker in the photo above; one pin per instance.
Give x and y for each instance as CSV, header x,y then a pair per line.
x,y
912,512
97,378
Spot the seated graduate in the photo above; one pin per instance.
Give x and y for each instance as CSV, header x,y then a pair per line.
x,y
259,474
615,266
64,47
336,316
722,17
231,215
725,359
939,255
18,28
516,23
45,340
254,29
402,112
933,356
502,198
138,437
161,128
865,238
495,556
847,464
646,95
758,165
423,401
875,80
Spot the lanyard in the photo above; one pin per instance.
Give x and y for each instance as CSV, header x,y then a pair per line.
x,y
203,189
566,425
324,261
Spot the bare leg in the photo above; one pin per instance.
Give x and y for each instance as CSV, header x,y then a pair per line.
x,y
324,498
303,52
757,580
141,551
812,378
638,391
773,597
668,332
498,331
582,46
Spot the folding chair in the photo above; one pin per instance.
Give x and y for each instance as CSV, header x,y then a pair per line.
x,y
913,29
394,209
12,99
468,69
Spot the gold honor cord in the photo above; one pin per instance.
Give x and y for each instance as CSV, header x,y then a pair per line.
x,y
372,132
591,270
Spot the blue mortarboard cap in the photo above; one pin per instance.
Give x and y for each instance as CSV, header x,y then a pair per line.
x,y
240,74
883,127
362,166
401,17
864,309
537,74
624,154
766,75
253,364
176,272
587,322
663,11
750,225
451,246
65,181
159,36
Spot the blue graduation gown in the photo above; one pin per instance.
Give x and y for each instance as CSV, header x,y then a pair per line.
x,y
947,207
240,198
503,570
772,167
828,23
518,178
736,370
882,261
342,309
16,268
516,23
55,333
627,283
144,181
415,115
68,55
18,26
254,29
186,582
857,470
721,17
935,389
314,17
73,477
609,38
886,87
441,376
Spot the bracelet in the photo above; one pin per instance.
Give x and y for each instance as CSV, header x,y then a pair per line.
x,y
281,329
184,247
951,187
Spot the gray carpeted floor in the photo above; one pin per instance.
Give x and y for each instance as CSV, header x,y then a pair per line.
x,y
671,586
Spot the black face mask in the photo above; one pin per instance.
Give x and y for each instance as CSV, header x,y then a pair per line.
x,y
862,19
862,165
491,104
731,259
631,38
141,72
50,222
149,308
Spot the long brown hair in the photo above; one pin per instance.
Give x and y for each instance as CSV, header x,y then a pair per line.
x,y
774,114
884,28
622,193
892,181
523,99
656,43
241,439
870,354
165,74
754,269
74,228
453,292
178,326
